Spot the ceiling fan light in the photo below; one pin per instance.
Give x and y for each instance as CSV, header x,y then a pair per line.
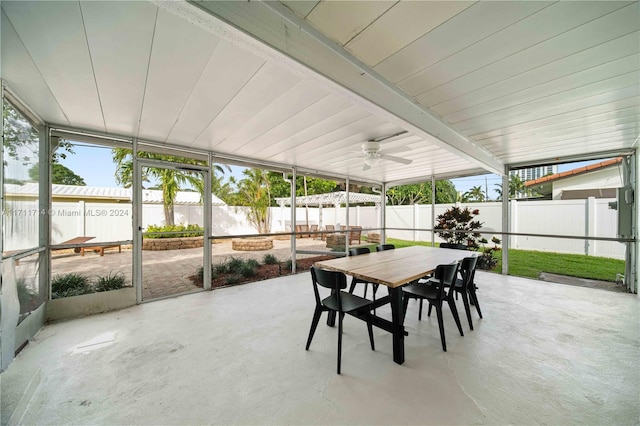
x,y
371,161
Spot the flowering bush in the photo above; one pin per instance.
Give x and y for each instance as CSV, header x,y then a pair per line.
x,y
487,261
457,219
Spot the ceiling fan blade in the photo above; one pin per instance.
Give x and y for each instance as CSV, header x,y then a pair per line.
x,y
365,167
395,150
396,159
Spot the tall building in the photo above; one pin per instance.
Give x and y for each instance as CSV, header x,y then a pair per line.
x,y
532,173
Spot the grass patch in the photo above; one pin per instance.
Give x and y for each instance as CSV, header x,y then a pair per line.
x,y
529,263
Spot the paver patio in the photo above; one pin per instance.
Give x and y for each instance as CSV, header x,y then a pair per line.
x,y
167,272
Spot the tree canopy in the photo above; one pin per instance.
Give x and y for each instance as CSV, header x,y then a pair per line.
x,y
420,193
60,174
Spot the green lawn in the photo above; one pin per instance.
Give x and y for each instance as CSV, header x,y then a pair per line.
x,y
528,263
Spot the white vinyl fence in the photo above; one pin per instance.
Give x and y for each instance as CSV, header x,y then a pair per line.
x,y
113,222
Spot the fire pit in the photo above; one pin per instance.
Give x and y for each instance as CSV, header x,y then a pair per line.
x,y
252,244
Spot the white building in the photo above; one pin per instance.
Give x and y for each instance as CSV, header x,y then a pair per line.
x,y
533,173
596,180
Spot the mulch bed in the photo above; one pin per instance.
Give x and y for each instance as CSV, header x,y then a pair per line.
x,y
263,272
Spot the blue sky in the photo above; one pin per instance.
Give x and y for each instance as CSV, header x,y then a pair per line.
x,y
94,165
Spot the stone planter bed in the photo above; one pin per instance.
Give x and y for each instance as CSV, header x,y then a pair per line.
x,y
171,243
252,244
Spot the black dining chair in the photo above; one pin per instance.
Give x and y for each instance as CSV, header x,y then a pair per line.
x,y
465,287
436,295
383,247
356,251
339,302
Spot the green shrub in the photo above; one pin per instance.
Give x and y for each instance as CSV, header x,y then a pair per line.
x,y
234,264
193,231
252,262
247,270
219,268
110,282
233,279
269,259
70,285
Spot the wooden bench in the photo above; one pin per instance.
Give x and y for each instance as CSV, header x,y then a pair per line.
x,y
100,249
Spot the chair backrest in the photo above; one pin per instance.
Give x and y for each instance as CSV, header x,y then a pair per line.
x,y
328,279
446,275
383,247
468,270
330,228
453,246
355,251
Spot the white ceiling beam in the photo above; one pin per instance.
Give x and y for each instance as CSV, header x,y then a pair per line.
x,y
279,28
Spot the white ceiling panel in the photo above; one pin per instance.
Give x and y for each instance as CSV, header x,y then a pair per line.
x,y
536,28
555,92
22,75
281,109
466,28
622,87
571,129
179,55
301,7
502,78
405,22
328,123
343,20
120,87
266,85
227,72
53,34
305,84
478,105
280,136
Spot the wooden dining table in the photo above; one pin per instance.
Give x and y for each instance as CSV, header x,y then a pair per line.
x,y
393,269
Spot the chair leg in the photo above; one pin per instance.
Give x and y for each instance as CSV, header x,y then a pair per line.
x,y
314,325
340,317
420,311
467,309
353,286
405,303
454,311
366,286
441,325
475,300
370,328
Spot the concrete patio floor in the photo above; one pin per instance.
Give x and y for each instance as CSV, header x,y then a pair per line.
x,y
543,354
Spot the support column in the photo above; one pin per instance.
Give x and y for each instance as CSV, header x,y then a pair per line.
x,y
590,245
505,223
433,210
293,220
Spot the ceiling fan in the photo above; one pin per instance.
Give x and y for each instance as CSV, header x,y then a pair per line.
x,y
373,153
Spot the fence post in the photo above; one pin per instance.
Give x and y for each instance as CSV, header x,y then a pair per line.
x,y
514,223
416,222
590,246
82,225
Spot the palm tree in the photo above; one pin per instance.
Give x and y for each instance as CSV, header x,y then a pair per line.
x,y
170,181
475,194
516,188
254,190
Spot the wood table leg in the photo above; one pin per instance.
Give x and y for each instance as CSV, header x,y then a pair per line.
x,y
397,316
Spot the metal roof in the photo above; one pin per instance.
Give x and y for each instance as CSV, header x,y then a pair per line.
x,y
331,198
476,85
149,196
